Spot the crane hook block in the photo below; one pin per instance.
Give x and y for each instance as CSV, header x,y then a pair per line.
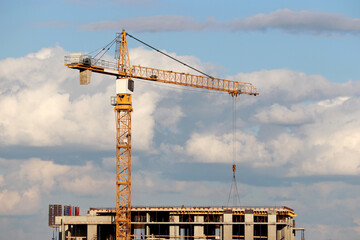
x,y
124,86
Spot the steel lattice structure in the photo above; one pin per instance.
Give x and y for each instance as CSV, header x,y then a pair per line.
x,y
123,108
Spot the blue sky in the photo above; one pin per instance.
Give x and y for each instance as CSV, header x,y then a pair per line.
x,y
297,142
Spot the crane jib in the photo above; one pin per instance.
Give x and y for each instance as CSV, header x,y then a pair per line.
x,y
165,76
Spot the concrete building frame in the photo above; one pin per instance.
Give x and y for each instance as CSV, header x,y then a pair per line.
x,y
184,223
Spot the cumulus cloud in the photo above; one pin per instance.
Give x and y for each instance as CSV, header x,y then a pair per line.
x,y
284,85
169,117
313,126
25,186
150,187
37,110
296,114
326,145
210,148
43,104
219,148
316,117
289,21
15,202
149,58
278,114
311,129
316,205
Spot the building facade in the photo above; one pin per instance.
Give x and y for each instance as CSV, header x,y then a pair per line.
x,y
183,223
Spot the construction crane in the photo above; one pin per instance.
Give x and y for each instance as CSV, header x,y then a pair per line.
x,y
122,102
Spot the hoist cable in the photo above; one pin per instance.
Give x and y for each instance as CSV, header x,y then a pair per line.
x,y
234,194
234,130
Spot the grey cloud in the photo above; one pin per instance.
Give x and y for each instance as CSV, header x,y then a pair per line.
x,y
145,3
52,24
299,22
148,24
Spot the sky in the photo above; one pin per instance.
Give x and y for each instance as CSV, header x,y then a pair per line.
x,y
297,143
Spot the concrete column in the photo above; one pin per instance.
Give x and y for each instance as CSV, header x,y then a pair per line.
x,y
227,230
249,224
175,229
147,228
292,229
91,232
288,232
221,231
288,229
199,229
62,230
280,234
271,225
68,229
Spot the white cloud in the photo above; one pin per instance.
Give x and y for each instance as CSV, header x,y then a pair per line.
x,y
332,140
330,231
37,112
219,149
283,85
289,21
43,174
297,114
316,133
316,205
357,227
143,132
150,58
320,138
169,117
15,202
279,114
1,180
26,183
150,187
210,148
109,162
43,105
91,183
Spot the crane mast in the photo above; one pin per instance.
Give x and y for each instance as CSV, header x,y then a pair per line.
x,y
123,107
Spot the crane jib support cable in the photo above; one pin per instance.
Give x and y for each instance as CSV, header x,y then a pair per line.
x,y
169,56
105,50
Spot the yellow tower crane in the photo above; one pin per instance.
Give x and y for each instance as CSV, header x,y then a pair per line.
x,y
124,73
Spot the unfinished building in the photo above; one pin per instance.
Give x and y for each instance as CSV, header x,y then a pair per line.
x,y
183,223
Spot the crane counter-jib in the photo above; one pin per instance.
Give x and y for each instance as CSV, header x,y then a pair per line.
x,y
84,62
